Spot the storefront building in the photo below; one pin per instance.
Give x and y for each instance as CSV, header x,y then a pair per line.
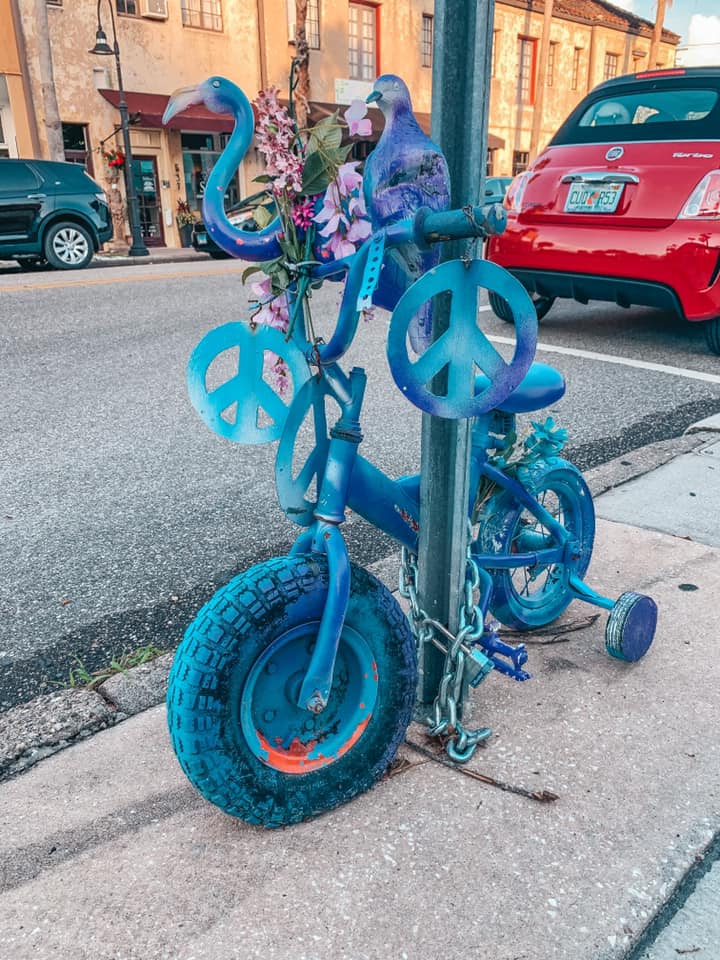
x,y
166,44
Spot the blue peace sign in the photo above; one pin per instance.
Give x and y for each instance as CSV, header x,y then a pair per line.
x,y
294,492
256,399
462,349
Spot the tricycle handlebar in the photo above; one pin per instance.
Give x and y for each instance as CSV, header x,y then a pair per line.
x,y
428,226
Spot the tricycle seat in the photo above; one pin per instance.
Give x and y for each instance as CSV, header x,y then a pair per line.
x,y
541,386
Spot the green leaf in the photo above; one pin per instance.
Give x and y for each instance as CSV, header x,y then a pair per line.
x,y
315,175
262,216
263,178
249,272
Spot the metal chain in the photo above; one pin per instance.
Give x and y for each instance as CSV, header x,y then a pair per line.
x,y
444,721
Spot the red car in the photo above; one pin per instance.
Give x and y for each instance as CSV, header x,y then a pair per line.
x,y
624,203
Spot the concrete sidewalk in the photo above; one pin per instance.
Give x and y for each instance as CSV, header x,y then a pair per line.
x,y
109,853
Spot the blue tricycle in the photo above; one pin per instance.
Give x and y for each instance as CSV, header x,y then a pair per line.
x,y
295,684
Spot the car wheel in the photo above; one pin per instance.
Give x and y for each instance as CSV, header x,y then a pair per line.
x,y
219,255
68,246
712,335
36,263
502,311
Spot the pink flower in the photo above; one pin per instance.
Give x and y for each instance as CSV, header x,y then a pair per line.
x,y
355,117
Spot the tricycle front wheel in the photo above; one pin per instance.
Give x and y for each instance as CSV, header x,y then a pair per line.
x,y
233,716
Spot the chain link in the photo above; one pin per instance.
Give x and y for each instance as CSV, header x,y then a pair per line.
x,y
444,721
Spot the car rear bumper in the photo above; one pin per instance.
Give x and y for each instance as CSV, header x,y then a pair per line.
x,y
661,268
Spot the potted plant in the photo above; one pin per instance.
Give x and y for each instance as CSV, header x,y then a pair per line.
x,y
114,158
185,220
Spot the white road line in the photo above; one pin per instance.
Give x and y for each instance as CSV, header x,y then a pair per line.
x,y
621,361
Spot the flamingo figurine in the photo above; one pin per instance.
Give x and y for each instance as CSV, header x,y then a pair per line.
x,y
223,96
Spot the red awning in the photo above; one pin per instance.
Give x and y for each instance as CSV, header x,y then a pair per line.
x,y
150,107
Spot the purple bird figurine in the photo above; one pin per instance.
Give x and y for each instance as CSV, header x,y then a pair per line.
x,y
405,171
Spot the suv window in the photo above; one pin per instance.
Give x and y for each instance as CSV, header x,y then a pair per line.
x,y
645,110
17,177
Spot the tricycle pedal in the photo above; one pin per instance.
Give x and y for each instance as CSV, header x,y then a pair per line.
x,y
499,653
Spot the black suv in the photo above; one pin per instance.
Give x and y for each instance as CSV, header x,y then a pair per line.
x,y
50,213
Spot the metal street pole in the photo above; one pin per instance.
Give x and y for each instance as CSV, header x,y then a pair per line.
x,y
102,48
460,96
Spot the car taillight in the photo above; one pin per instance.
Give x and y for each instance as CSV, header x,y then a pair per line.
x,y
704,201
513,199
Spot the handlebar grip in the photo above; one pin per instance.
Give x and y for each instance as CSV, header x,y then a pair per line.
x,y
481,221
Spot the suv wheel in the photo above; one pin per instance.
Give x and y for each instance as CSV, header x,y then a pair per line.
x,y
712,335
68,246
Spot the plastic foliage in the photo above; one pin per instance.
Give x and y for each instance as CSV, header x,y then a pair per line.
x,y
317,193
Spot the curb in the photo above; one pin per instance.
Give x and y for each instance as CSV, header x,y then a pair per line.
x,y
172,255
49,723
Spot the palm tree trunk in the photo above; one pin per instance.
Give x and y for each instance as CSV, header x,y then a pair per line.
x,y
51,114
302,60
541,80
657,34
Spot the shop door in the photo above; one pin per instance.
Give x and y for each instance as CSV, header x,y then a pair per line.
x,y
145,178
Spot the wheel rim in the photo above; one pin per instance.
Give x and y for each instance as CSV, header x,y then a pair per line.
x,y
70,245
540,585
291,739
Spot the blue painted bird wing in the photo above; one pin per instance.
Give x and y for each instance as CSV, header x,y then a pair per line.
x,y
418,177
402,267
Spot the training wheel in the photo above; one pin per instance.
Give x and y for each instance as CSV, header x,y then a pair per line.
x,y
631,627
249,406
462,349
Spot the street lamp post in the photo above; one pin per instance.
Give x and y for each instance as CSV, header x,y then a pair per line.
x,y
103,48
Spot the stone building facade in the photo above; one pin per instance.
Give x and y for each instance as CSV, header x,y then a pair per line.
x,y
165,44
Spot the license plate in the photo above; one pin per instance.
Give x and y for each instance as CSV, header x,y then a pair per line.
x,y
586,198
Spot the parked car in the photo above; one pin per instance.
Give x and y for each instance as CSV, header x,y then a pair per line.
x,y
51,213
496,188
624,203
240,215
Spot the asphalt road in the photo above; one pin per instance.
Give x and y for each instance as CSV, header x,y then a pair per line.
x,y
121,512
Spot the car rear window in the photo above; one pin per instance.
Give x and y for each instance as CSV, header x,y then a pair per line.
x,y
645,111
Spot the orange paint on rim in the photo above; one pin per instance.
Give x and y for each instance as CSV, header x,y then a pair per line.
x,y
295,760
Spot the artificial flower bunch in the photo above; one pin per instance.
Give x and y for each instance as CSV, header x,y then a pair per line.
x,y
114,157
318,197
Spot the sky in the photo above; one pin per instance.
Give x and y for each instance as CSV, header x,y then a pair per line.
x,y
695,20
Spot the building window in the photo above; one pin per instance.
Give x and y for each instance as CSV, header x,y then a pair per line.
x,y
426,43
493,55
526,71
610,68
551,63
75,145
4,146
576,67
200,153
127,7
206,14
521,159
52,3
312,23
362,42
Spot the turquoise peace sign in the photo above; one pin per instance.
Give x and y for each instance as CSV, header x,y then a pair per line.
x,y
246,407
463,349
298,490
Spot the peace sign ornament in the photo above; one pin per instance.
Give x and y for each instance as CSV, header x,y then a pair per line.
x,y
246,407
462,350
